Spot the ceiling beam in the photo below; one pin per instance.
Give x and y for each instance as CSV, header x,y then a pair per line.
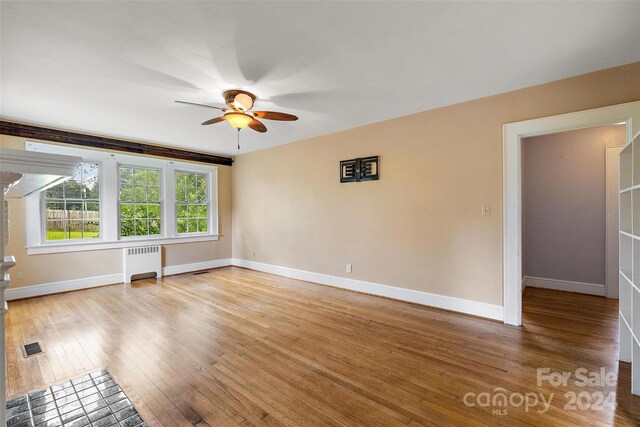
x,y
74,138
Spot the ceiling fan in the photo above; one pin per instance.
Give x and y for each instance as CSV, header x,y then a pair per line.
x,y
237,113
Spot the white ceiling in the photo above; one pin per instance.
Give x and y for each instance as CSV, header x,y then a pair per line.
x,y
115,68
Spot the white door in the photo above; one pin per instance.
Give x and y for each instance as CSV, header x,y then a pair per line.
x,y
611,201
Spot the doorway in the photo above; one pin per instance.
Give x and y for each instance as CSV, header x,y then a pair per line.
x,y
570,210
513,133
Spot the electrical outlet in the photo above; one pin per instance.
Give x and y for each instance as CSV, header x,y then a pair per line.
x,y
253,254
348,268
486,210
19,274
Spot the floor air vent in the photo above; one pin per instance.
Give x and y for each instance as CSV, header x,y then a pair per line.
x,y
200,272
32,349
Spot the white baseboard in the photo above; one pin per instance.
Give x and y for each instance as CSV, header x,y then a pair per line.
x,y
92,282
195,266
475,308
64,286
565,285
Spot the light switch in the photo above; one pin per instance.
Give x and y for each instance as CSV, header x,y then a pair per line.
x,y
486,210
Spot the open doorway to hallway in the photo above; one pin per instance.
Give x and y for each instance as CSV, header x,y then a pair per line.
x,y
570,210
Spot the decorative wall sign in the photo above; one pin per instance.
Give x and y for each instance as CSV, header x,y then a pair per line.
x,y
362,169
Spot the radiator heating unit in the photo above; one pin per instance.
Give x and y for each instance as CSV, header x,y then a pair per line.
x,y
141,260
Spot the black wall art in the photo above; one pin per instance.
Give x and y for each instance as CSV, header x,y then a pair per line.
x,y
362,169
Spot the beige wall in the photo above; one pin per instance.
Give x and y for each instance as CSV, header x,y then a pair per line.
x,y
420,226
564,204
49,268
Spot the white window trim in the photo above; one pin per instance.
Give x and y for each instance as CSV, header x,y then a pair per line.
x,y
43,226
210,204
110,216
163,225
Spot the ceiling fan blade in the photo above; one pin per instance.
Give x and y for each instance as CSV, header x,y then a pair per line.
x,y
201,105
273,115
214,120
258,126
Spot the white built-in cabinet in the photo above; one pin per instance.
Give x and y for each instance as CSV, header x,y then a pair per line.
x,y
630,259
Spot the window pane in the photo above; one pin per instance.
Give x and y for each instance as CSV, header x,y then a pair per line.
x,y
126,176
127,193
191,194
201,195
145,189
142,212
73,213
126,228
72,189
55,192
55,210
127,210
91,229
142,227
91,207
74,229
153,194
201,181
181,195
192,212
153,177
154,226
154,210
66,216
181,179
90,181
140,176
89,171
140,194
55,230
91,218
90,190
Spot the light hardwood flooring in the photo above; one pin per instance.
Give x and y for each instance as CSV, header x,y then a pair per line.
x,y
238,347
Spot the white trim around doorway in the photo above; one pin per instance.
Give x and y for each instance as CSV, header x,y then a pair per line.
x,y
512,135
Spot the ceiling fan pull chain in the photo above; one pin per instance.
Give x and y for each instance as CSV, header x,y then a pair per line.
x,y
238,142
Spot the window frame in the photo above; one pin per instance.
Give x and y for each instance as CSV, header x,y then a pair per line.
x,y
43,213
108,165
209,204
161,197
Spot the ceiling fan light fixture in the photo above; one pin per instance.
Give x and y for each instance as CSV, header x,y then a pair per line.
x,y
242,101
238,120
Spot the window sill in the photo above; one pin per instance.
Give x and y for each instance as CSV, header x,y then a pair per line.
x,y
54,248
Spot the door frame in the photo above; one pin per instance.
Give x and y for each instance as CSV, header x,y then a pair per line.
x,y
512,135
611,291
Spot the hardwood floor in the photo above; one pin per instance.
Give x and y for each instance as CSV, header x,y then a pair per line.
x,y
238,347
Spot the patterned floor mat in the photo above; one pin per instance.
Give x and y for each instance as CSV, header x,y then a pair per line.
x,y
93,399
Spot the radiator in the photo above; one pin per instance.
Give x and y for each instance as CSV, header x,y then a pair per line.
x,y
143,259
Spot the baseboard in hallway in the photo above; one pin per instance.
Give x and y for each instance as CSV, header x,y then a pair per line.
x,y
565,285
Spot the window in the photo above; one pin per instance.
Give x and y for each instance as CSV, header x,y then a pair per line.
x,y
118,200
140,206
192,202
72,209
